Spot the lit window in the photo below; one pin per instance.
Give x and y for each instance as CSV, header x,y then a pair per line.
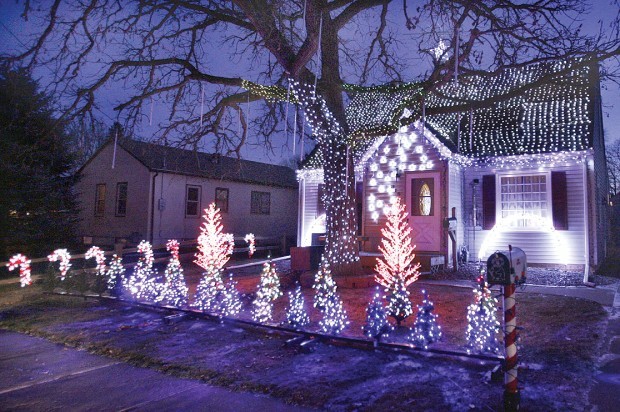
x,y
425,200
260,203
100,199
221,199
523,201
192,201
121,199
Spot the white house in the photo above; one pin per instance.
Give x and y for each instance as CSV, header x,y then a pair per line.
x,y
528,170
136,190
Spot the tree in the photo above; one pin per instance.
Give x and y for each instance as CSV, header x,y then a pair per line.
x,y
377,324
612,152
396,271
214,250
174,290
115,274
296,315
37,212
482,323
323,285
161,52
142,284
425,328
268,290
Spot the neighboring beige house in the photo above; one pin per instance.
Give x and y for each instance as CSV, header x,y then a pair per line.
x,y
134,190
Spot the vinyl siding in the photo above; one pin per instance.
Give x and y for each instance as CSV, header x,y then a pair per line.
x,y
563,247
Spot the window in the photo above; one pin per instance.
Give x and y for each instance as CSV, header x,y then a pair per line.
x,y
100,199
221,199
121,199
523,201
261,203
422,197
192,201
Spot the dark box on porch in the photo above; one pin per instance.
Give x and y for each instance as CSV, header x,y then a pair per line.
x,y
306,258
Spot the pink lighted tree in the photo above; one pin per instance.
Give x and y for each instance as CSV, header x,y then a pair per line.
x,y
214,246
396,270
214,250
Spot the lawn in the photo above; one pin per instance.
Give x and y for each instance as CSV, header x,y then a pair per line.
x,y
559,345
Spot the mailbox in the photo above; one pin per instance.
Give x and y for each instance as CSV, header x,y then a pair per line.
x,y
450,224
507,266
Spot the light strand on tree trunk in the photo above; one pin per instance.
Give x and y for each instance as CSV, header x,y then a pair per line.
x,y
471,130
288,93
114,152
294,131
318,54
151,113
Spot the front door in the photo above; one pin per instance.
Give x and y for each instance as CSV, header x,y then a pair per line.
x,y
423,190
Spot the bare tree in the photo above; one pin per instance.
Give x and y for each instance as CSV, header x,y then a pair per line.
x,y
173,53
612,152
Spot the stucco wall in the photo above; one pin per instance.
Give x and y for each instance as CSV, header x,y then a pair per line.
x,y
104,229
171,222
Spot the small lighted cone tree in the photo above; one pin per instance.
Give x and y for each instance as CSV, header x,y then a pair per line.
x,y
142,283
296,315
231,299
64,257
214,250
396,271
250,239
425,330
115,274
482,323
96,253
334,316
323,285
23,263
377,325
268,291
175,290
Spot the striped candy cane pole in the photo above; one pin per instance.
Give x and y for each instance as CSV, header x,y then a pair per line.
x,y
511,391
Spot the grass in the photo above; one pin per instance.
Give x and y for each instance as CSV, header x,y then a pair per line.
x,y
555,336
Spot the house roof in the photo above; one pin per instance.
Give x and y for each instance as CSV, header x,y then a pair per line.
x,y
211,166
542,108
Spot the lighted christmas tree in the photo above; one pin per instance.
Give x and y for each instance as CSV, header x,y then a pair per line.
x,y
115,274
482,323
324,285
267,292
231,299
396,271
175,290
296,315
425,330
334,316
377,324
214,250
142,284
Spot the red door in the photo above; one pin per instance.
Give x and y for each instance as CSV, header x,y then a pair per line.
x,y
422,193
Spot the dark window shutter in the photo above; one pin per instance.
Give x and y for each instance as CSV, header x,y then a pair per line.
x,y
559,200
488,202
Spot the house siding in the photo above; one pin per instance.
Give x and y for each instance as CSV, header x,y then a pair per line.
x,y
309,210
171,222
562,247
107,228
372,228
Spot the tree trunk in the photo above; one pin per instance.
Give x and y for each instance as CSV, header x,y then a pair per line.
x,y
341,247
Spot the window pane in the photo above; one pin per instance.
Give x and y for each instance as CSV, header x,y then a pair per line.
x,y
192,201
100,199
221,199
523,200
260,203
121,199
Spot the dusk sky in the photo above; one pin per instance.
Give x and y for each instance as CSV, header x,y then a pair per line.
x,y
14,35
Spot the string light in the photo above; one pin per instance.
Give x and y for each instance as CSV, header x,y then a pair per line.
x,y
377,325
296,315
425,329
64,257
23,263
175,291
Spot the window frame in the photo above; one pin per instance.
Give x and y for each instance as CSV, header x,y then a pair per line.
x,y
117,200
100,200
197,201
548,199
218,190
253,210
